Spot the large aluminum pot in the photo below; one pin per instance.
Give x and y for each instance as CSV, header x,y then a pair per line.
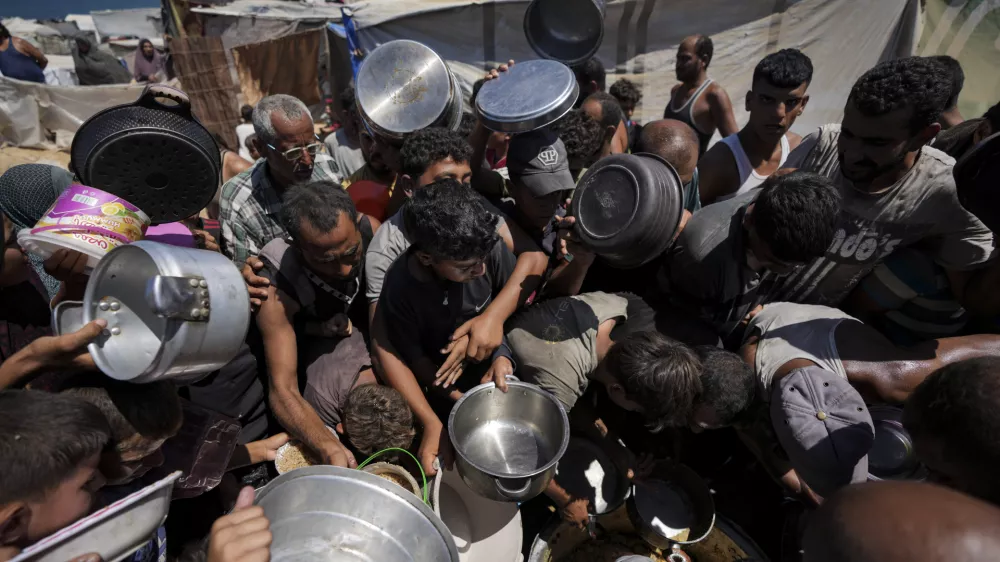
x,y
404,86
326,513
172,312
569,31
508,443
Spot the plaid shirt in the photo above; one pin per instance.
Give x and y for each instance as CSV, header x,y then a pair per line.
x,y
249,207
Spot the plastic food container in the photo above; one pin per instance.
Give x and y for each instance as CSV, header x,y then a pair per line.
x,y
86,220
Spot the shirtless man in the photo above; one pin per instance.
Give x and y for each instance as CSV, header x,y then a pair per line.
x,y
698,100
743,161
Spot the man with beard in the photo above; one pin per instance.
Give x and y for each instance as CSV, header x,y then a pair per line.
x,y
698,100
743,161
251,201
313,323
896,191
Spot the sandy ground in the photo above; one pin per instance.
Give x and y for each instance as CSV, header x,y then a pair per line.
x,y
12,156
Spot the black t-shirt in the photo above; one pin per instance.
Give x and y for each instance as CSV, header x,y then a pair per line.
x,y
706,271
421,316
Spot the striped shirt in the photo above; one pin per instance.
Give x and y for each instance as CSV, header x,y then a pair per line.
x,y
917,298
249,207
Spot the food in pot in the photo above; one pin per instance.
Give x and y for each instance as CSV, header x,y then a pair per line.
x,y
395,479
611,547
295,455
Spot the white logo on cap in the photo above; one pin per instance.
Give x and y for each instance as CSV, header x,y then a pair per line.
x,y
549,156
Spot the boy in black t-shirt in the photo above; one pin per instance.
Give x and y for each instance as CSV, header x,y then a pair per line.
x,y
456,265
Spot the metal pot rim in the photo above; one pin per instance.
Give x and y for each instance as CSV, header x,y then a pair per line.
x,y
511,384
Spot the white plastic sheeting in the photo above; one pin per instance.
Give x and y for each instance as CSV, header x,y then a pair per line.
x,y
28,110
138,23
844,38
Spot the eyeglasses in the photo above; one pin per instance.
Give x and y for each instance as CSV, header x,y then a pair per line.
x,y
296,154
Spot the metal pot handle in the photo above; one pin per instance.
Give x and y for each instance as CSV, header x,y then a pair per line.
x,y
678,555
516,495
153,93
67,317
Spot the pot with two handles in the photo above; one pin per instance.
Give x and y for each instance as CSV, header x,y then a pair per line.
x,y
508,444
172,312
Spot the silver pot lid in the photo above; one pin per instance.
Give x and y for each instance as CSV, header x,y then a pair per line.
x,y
529,96
403,86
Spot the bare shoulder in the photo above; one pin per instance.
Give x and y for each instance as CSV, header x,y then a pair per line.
x,y
716,91
716,170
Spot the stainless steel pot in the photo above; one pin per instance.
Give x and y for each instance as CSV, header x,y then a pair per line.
x,y
529,96
323,513
172,312
508,443
569,31
404,86
892,456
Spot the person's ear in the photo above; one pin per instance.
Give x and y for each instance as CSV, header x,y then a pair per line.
x,y
407,184
340,428
985,129
424,258
925,136
259,146
609,133
747,100
803,103
594,88
748,217
14,520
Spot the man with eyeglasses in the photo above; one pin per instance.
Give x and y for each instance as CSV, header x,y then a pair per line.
x,y
743,161
290,154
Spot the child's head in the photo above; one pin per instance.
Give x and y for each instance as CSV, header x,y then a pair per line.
x,y
50,448
451,229
376,417
141,416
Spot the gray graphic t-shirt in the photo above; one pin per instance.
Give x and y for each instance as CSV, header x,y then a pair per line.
x,y
920,210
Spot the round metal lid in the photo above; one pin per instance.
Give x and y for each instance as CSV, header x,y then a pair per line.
x,y
403,86
116,292
892,455
529,96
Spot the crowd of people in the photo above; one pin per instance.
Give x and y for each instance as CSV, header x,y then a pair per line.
x,y
92,65
812,278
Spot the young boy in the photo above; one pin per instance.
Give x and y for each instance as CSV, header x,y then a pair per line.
x,y
455,267
50,449
376,417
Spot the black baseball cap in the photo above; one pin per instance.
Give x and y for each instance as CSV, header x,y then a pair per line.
x,y
538,161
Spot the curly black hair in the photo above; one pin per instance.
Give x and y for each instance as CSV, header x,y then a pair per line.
x,y
796,215
788,68
913,82
626,92
580,134
450,221
433,144
320,202
954,70
466,126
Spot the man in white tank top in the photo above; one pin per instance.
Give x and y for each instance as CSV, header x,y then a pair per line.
x,y
743,161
